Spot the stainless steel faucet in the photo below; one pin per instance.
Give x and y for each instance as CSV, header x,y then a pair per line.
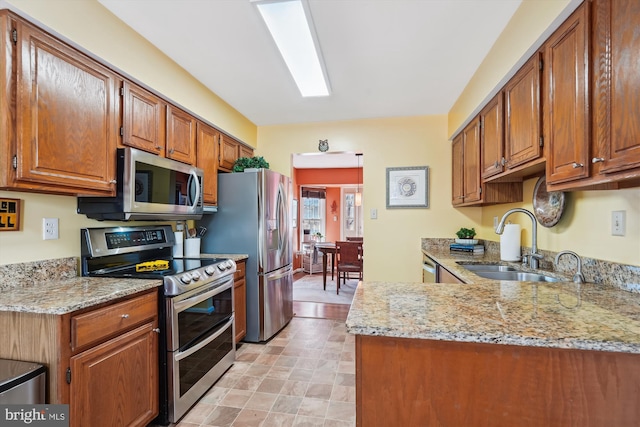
x,y
534,257
578,277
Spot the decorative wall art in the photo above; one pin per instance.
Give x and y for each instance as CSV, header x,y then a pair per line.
x,y
408,187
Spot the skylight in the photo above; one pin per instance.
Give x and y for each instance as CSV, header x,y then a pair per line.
x,y
291,27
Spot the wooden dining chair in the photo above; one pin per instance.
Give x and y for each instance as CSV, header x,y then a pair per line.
x,y
354,239
348,260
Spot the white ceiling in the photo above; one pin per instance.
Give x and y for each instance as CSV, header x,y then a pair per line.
x,y
384,58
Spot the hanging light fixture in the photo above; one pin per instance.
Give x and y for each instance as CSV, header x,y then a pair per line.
x,y
358,194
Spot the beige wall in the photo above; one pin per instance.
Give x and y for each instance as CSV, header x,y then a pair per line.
x,y
392,242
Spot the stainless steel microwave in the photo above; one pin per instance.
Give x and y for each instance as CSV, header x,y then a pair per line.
x,y
149,187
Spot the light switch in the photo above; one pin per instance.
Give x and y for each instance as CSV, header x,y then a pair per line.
x,y
373,213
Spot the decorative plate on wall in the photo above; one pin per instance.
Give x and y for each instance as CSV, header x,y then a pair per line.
x,y
547,206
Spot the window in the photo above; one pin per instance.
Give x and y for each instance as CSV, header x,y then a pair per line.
x,y
313,212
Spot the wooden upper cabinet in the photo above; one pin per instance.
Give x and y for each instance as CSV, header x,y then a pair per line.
x,y
67,118
181,136
522,115
245,151
566,108
457,167
492,137
616,97
144,119
207,160
471,149
229,152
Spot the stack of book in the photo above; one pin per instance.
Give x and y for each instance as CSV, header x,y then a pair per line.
x,y
472,249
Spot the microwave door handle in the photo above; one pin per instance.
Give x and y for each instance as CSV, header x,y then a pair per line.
x,y
195,179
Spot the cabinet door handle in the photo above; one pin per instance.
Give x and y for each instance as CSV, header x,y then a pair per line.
x,y
577,165
503,161
597,159
156,330
171,151
157,147
496,164
125,316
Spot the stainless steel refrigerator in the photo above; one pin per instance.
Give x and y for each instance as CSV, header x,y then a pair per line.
x,y
254,218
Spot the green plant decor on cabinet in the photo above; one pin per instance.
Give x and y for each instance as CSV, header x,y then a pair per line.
x,y
256,162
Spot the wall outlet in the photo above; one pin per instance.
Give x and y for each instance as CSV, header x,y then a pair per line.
x,y
373,213
495,223
49,228
618,223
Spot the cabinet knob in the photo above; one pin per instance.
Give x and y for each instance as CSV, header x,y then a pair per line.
x,y
125,316
577,165
503,161
171,151
597,160
157,147
496,164
156,330
113,181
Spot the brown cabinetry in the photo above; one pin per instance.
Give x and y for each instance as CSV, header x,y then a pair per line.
x,y
207,141
102,362
181,136
114,380
616,98
566,108
428,382
240,300
492,137
444,276
230,151
66,112
144,119
467,187
522,121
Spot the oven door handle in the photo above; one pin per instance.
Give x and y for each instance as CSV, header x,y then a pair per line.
x,y
191,301
181,355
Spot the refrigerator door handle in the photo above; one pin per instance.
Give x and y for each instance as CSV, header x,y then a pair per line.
x,y
276,276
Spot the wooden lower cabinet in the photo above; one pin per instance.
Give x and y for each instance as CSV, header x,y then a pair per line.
x,y
240,300
444,276
413,382
102,362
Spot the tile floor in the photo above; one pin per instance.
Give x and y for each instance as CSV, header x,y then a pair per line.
x,y
304,376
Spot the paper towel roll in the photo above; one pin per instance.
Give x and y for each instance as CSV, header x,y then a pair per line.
x,y
178,248
510,243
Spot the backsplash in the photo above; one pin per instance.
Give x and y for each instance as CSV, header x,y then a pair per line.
x,y
30,273
621,276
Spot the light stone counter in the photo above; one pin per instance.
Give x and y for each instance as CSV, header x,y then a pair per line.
x,y
561,315
68,295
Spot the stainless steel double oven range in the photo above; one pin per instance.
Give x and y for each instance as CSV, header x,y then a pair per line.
x,y
196,344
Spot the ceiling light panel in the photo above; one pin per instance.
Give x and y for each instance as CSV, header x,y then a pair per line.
x,y
291,26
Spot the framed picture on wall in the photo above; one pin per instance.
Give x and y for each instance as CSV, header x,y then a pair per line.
x,y
408,187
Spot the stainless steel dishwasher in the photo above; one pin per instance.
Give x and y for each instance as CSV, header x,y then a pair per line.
x,y
22,382
428,270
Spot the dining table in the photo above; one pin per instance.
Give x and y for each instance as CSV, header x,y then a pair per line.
x,y
327,248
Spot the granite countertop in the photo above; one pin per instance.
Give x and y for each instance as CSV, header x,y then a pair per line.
x,y
67,295
52,286
561,315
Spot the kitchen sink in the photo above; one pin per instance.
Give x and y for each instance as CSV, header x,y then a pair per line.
x,y
487,267
506,272
516,275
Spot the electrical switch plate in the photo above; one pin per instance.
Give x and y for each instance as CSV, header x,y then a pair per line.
x,y
49,228
618,223
373,213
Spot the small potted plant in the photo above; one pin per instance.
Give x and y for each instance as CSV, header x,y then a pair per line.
x,y
256,162
318,235
466,236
